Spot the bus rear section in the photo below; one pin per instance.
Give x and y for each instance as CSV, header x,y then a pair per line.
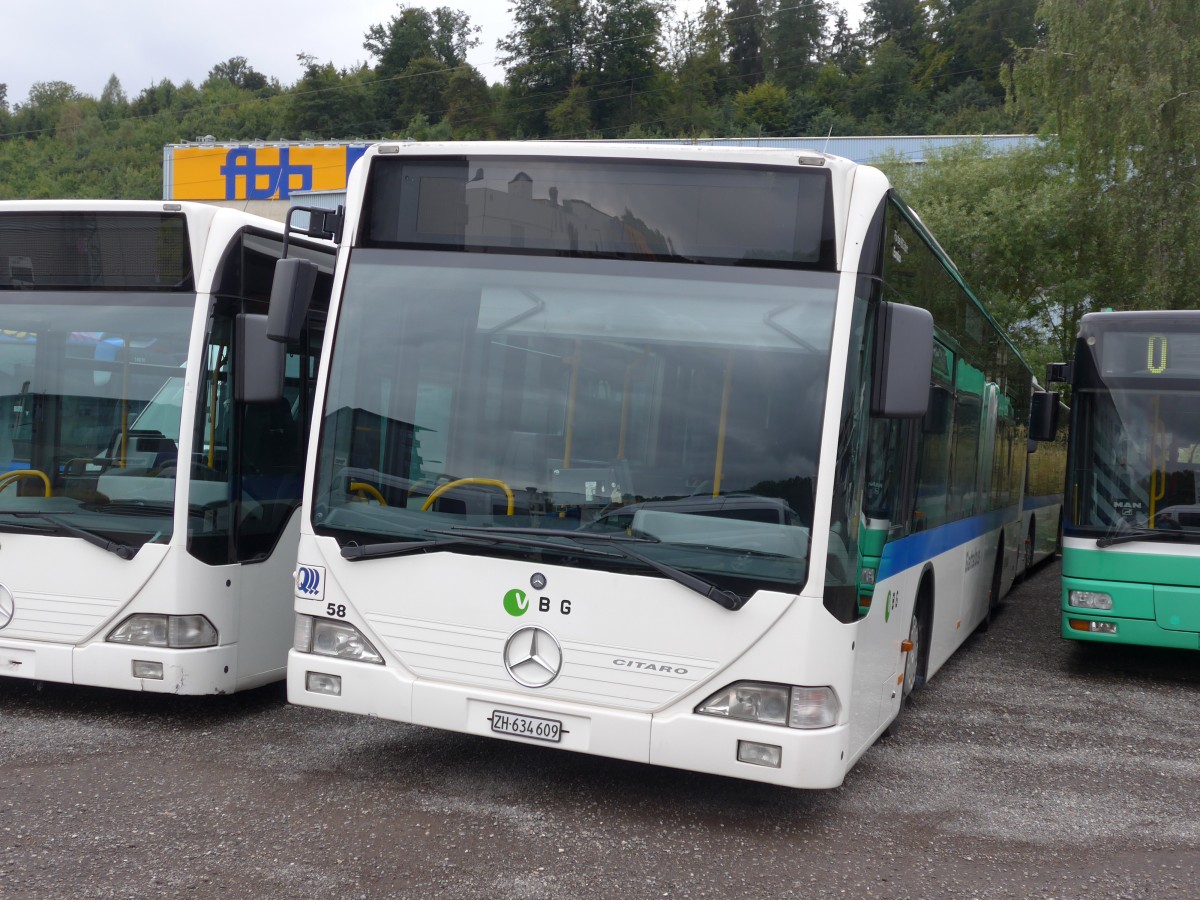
x,y
590,465
147,527
1131,553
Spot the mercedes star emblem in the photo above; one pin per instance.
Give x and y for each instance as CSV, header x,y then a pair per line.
x,y
533,657
7,606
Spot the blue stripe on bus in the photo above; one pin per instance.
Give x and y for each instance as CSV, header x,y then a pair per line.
x,y
1039,502
924,545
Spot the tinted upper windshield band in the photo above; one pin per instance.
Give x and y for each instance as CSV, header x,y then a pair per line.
x,y
693,212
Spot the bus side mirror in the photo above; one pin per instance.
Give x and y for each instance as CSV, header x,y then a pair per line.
x,y
903,359
291,292
258,362
1043,416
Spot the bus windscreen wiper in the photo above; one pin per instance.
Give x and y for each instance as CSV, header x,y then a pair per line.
x,y
727,599
399,548
61,526
1145,534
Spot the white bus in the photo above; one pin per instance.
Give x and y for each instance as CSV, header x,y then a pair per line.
x,y
147,526
701,457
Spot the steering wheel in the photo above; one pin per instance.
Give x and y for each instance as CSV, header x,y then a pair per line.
x,y
17,474
365,490
459,482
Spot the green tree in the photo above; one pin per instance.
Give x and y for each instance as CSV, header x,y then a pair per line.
x,y
795,41
113,102
1015,227
327,104
744,34
624,62
238,72
470,108
417,52
545,54
975,40
902,22
698,71
763,109
1118,84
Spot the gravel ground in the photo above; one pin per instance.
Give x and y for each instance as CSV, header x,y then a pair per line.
x,y
1029,767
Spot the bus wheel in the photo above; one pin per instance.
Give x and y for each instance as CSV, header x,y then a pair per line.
x,y
1027,561
912,669
994,590
912,660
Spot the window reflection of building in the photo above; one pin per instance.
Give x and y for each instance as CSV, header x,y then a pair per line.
x,y
521,218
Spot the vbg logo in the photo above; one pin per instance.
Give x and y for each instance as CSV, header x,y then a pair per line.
x,y
892,602
310,582
516,603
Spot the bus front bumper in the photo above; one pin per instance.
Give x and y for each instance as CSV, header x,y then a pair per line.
x,y
207,670
677,737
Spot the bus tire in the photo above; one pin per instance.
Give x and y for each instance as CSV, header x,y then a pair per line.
x,y
915,658
1027,556
993,605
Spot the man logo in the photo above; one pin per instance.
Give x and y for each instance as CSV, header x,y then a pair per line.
x,y
310,582
516,603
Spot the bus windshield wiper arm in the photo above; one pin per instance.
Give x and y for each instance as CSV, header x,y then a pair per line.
x,y
522,538
727,599
1144,535
399,548
124,551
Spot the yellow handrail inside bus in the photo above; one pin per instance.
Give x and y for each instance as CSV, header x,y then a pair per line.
x,y
361,487
1158,453
720,463
17,474
123,459
573,361
494,482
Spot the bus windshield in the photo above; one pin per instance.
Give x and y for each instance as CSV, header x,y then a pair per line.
x,y
77,374
1135,463
592,395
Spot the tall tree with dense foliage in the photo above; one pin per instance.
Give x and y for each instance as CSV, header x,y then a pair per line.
x,y
700,75
795,41
546,54
624,62
418,51
744,26
1119,84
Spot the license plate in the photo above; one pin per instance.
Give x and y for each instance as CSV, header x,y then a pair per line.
x,y
526,726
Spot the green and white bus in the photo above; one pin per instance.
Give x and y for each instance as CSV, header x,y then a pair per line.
x,y
702,457
1131,545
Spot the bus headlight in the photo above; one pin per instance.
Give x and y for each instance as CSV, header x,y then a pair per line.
x,y
1090,599
774,704
156,630
329,637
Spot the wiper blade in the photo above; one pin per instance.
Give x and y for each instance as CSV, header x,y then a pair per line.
x,y
1146,534
400,548
520,537
572,534
727,599
124,551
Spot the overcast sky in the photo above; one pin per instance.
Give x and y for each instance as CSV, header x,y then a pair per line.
x,y
144,41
